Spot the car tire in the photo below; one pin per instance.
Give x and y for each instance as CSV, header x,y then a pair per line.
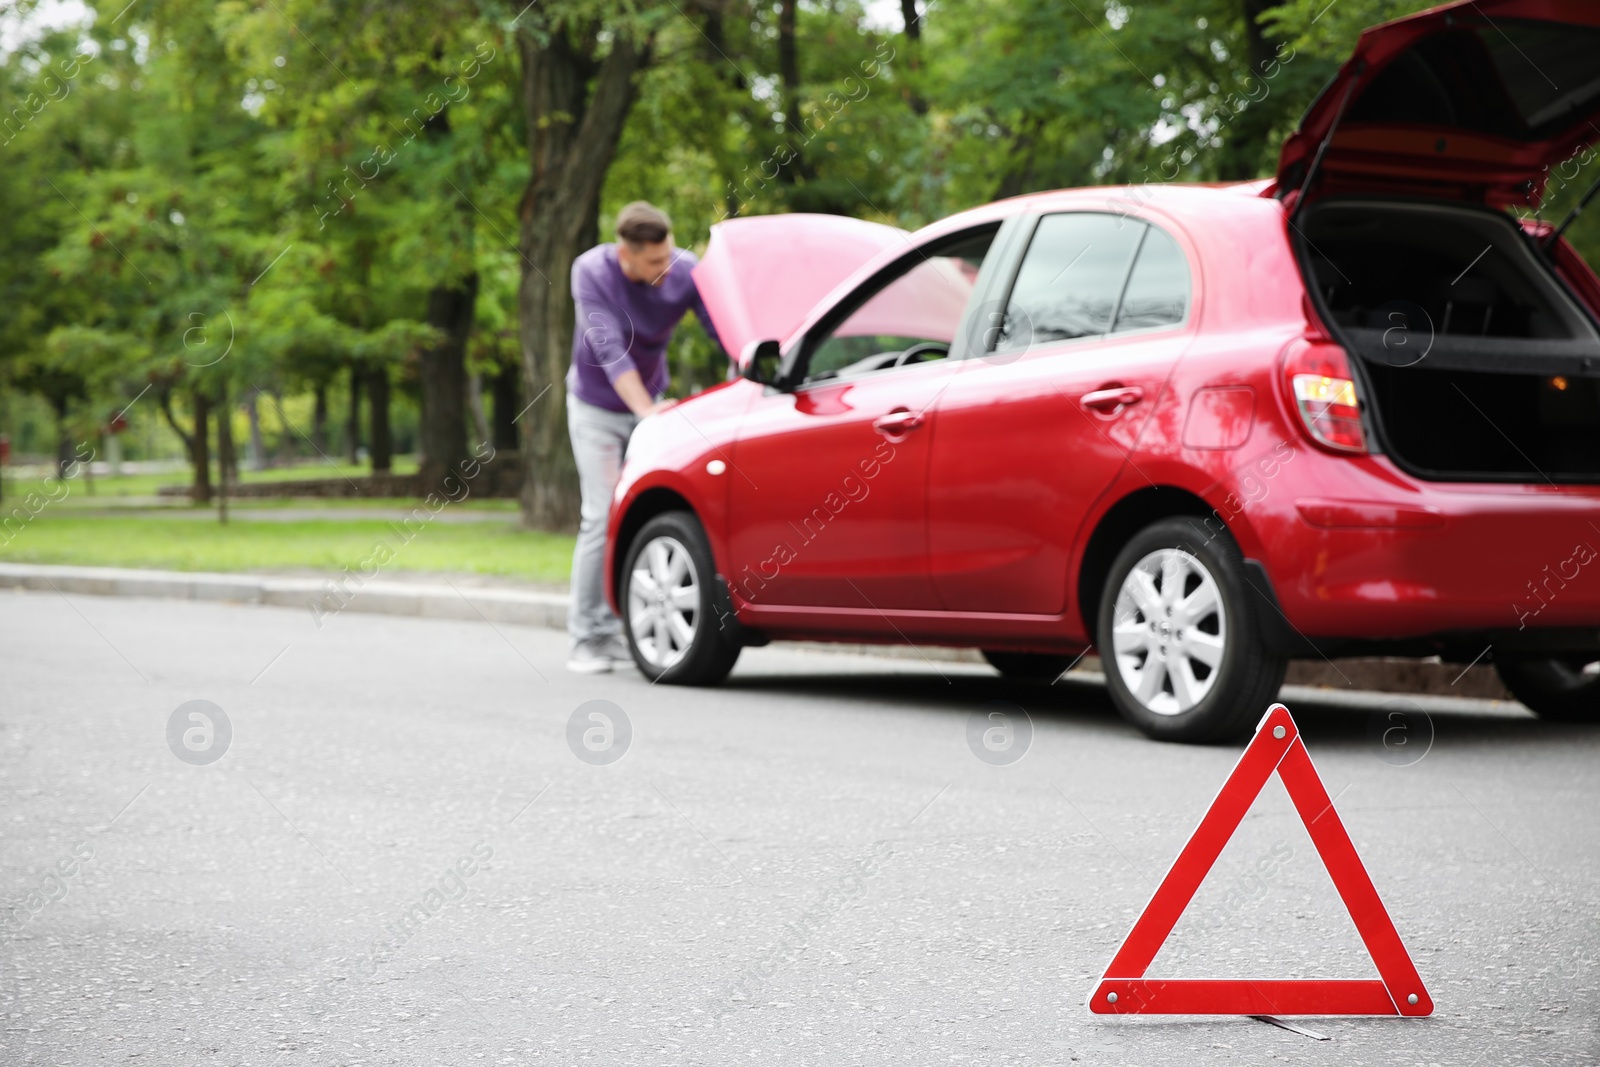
x,y
1028,666
669,604
1554,687
1191,664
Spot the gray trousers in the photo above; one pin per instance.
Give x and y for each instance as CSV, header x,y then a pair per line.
x,y
599,439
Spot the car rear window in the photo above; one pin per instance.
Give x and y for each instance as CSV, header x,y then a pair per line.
x,y
1549,71
1521,79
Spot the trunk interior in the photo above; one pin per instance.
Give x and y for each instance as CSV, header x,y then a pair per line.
x,y
1478,362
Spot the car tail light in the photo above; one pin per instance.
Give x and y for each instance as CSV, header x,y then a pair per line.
x,y
1324,391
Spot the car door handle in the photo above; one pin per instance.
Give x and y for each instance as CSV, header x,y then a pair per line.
x,y
1109,400
897,422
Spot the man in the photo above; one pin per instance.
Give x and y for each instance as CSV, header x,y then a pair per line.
x,y
630,296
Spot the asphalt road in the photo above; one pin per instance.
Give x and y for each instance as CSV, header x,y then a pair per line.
x,y
400,858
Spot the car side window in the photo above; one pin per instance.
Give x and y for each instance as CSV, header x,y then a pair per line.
x,y
1158,288
910,314
1070,280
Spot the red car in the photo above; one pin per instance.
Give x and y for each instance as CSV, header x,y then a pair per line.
x,y
1354,410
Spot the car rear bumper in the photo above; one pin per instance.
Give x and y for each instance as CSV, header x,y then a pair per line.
x,y
1384,557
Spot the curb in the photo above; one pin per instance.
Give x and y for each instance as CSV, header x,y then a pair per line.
x,y
549,610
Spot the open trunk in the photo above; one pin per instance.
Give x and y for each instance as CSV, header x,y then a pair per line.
x,y
1475,359
1478,363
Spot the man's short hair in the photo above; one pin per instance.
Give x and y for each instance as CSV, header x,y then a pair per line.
x,y
642,223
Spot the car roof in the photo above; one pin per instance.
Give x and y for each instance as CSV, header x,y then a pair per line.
x,y
1252,240
1180,199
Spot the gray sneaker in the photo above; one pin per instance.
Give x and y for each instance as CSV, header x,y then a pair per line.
x,y
615,648
589,656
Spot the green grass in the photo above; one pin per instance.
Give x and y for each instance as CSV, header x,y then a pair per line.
x,y
122,485
55,535
147,484
334,507
109,492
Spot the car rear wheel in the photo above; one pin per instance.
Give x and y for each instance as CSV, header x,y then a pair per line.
x,y
669,604
1028,666
1566,688
1181,637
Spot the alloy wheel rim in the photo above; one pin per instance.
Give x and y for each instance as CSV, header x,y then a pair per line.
x,y
1169,631
663,602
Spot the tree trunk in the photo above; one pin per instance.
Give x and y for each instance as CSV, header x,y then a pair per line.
x,y
164,401
352,421
789,75
5,421
715,50
319,417
480,418
1018,176
442,369
442,435
63,439
257,448
913,21
227,454
200,448
381,443
283,447
503,389
227,469
575,107
1243,153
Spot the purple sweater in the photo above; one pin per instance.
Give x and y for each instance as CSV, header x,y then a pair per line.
x,y
623,325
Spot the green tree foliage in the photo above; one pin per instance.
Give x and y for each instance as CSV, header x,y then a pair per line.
x,y
218,203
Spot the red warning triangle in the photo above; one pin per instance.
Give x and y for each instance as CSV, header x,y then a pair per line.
x,y
1276,747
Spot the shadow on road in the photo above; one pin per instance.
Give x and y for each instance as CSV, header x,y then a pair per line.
x,y
1356,720
1070,700
1332,720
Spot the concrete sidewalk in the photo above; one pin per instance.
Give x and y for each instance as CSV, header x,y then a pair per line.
x,y
382,597
444,599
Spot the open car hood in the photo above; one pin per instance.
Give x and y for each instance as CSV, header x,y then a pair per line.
x,y
1470,101
762,275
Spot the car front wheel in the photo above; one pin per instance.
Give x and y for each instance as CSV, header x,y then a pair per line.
x,y
1566,688
1181,638
669,604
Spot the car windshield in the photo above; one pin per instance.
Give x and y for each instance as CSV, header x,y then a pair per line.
x,y
921,307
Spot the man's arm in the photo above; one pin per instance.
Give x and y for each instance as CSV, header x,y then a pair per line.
x,y
607,339
630,387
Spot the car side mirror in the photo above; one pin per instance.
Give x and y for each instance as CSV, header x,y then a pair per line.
x,y
761,362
